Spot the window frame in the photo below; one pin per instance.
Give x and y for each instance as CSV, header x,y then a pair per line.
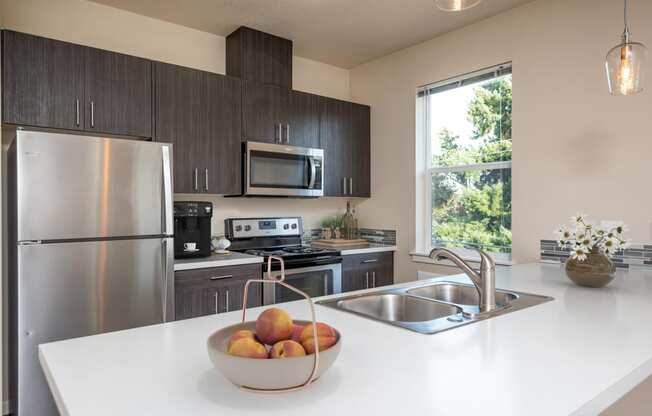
x,y
424,92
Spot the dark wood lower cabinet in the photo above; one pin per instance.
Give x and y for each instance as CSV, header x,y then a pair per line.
x,y
215,290
365,271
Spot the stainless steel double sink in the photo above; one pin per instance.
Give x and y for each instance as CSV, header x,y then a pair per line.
x,y
431,307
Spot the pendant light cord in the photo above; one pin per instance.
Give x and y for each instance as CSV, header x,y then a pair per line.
x,y
626,32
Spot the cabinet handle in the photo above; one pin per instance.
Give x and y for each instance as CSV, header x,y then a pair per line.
x,y
77,112
226,276
367,279
370,261
280,133
206,179
216,301
92,114
196,180
287,133
350,186
373,279
226,296
344,184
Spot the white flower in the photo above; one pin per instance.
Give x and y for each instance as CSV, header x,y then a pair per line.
x,y
578,253
578,218
625,244
621,229
610,245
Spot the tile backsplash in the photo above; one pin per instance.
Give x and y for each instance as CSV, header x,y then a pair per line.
x,y
639,255
376,236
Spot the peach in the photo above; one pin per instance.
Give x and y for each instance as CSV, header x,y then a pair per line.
x,y
326,337
296,332
273,325
243,333
287,348
248,348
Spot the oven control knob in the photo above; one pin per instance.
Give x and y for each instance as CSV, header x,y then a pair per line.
x,y
294,226
238,227
247,227
286,226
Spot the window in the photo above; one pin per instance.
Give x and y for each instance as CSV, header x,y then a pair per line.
x,y
467,138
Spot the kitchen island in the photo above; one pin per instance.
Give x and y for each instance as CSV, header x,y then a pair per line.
x,y
576,355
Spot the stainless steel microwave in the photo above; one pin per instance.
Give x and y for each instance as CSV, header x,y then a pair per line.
x,y
282,170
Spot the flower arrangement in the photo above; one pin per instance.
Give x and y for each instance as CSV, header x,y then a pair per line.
x,y
584,237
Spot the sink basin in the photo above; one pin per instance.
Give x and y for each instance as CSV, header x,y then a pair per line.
x,y
398,308
430,308
459,294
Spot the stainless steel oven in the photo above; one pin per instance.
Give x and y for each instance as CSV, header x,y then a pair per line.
x,y
316,281
281,170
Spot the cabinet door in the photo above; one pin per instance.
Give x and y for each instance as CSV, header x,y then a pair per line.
x,y
264,110
179,101
42,82
231,295
118,94
383,270
194,301
220,142
302,124
334,132
355,279
360,184
258,56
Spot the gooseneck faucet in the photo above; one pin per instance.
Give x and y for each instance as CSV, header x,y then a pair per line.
x,y
483,279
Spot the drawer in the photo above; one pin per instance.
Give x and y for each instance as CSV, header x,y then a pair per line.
x,y
370,260
217,275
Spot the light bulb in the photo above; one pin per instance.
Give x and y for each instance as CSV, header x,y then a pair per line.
x,y
626,72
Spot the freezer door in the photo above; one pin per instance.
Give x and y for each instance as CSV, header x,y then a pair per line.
x,y
68,290
73,187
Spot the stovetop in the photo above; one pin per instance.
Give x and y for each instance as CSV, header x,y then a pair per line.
x,y
293,252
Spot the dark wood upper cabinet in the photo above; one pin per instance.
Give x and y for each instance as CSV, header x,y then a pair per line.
x,y
303,115
53,84
221,148
257,56
264,111
361,159
344,134
178,105
118,93
335,135
42,82
200,113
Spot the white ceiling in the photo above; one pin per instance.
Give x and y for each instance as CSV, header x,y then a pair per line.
x,y
344,33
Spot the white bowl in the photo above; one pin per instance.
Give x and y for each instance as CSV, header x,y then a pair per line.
x,y
269,374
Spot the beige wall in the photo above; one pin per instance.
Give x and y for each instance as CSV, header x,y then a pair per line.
x,y
576,148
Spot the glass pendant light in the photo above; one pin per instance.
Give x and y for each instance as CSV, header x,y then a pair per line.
x,y
456,5
625,65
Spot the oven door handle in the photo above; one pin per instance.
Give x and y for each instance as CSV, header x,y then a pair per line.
x,y
313,173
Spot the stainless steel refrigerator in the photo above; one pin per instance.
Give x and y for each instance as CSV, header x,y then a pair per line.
x,y
90,231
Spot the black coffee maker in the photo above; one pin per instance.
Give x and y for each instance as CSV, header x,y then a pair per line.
x,y
192,229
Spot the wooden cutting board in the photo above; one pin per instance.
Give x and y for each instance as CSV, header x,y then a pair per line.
x,y
339,242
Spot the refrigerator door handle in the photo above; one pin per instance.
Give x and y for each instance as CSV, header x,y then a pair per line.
x,y
167,298
167,192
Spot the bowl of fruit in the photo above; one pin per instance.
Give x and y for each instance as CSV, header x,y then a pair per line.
x,y
274,352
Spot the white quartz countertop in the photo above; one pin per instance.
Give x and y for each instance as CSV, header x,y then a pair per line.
x,y
574,355
216,260
371,248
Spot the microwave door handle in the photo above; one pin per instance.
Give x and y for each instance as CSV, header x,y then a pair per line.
x,y
313,173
